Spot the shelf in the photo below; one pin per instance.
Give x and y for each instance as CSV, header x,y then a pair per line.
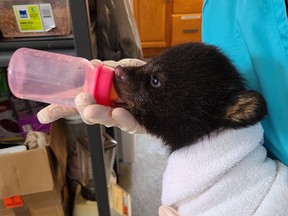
x,y
38,42
82,43
63,45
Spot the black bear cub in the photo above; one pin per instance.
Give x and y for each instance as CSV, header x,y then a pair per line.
x,y
188,92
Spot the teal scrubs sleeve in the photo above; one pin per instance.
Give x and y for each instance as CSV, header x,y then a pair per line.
x,y
254,34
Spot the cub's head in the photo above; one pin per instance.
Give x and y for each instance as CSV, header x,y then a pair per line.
x,y
186,93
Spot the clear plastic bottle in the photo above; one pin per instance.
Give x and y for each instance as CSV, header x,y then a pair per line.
x,y
56,78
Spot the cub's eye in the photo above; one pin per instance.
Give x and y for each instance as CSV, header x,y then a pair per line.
x,y
155,81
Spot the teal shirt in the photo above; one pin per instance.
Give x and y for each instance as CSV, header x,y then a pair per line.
x,y
254,34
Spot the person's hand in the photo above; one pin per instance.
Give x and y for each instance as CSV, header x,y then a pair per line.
x,y
92,113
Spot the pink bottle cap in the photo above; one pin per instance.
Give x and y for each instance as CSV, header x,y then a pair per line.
x,y
103,91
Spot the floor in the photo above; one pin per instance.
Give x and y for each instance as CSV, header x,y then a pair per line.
x,y
143,178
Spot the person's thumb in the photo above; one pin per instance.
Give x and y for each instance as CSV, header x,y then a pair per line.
x,y
126,121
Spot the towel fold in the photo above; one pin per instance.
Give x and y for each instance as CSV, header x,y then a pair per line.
x,y
226,174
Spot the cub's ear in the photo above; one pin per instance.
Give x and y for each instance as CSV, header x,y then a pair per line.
x,y
246,108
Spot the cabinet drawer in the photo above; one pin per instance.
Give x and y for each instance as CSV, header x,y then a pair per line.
x,y
187,6
186,28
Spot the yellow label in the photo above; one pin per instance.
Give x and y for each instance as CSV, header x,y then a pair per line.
x,y
28,18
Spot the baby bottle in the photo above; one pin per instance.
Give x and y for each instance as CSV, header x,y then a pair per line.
x,y
55,78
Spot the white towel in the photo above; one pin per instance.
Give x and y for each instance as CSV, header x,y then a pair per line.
x,y
226,174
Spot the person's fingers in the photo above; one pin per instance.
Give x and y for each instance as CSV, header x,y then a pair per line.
x,y
126,121
53,112
95,62
99,114
82,100
124,62
130,62
110,63
92,113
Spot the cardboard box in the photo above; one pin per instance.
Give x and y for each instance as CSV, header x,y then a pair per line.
x,y
44,204
32,182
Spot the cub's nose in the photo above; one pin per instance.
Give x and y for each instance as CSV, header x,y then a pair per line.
x,y
120,73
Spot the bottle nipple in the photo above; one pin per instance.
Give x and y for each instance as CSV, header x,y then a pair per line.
x,y
113,93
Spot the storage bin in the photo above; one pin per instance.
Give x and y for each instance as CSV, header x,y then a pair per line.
x,y
33,18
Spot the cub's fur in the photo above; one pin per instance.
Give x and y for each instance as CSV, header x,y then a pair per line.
x,y
188,92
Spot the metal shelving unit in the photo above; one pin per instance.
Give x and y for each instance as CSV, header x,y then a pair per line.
x,y
81,43
64,45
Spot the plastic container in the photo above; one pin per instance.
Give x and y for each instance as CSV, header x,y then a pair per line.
x,y
85,165
34,18
75,129
55,78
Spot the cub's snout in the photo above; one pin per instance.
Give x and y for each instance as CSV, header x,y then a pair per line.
x,y
129,86
120,73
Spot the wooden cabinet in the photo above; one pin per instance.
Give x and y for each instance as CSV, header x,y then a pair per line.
x,y
187,6
163,23
153,22
186,21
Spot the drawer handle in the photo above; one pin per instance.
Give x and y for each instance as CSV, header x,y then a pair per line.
x,y
190,17
190,30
